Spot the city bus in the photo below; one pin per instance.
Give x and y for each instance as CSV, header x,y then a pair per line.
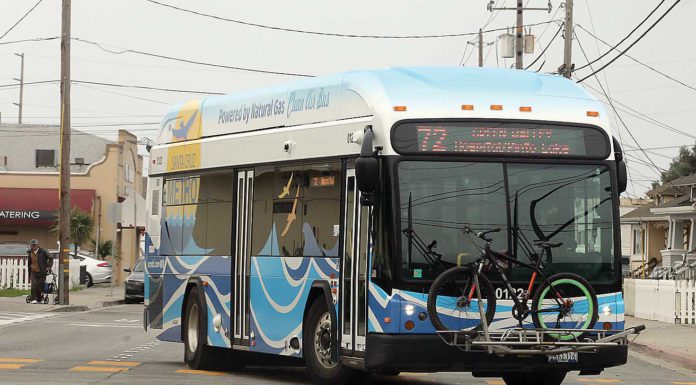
x,y
279,218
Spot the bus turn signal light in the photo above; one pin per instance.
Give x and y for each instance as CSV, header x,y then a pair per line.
x,y
593,114
467,107
496,107
387,320
409,325
399,108
525,109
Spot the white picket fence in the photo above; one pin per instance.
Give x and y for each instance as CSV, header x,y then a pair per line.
x,y
672,301
14,274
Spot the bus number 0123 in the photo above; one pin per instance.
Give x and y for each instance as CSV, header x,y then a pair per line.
x,y
504,293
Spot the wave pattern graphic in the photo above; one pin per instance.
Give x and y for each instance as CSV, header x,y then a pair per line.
x,y
217,293
279,288
382,305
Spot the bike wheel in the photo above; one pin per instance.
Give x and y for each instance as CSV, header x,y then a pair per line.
x,y
567,301
452,305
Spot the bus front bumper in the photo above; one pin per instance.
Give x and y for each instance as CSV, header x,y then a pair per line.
x,y
428,353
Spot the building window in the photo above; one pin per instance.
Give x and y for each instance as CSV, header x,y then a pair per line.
x,y
637,242
45,158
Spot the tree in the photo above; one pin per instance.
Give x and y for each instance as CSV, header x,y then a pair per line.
x,y
81,224
105,249
682,165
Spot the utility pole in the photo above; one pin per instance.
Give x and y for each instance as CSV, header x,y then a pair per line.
x,y
64,189
519,34
568,46
519,28
480,43
21,87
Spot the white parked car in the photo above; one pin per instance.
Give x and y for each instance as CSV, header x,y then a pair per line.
x,y
98,271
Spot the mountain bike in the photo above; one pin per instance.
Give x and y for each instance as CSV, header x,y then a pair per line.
x,y
561,301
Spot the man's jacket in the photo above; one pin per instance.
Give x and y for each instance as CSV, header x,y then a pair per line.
x,y
44,258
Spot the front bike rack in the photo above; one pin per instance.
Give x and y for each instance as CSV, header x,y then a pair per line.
x,y
533,341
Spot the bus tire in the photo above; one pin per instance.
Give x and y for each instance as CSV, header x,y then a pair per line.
x,y
197,355
316,346
536,378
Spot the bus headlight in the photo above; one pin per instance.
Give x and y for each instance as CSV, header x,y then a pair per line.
x,y
409,309
606,310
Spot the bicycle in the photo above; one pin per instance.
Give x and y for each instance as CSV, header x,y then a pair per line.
x,y
561,301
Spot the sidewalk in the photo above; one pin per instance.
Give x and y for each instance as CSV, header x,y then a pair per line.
x,y
99,295
670,342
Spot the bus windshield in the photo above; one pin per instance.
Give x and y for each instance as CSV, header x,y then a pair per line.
x,y
558,202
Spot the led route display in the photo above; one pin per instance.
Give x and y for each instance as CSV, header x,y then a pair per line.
x,y
500,138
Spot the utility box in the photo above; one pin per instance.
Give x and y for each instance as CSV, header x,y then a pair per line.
x,y
529,43
507,45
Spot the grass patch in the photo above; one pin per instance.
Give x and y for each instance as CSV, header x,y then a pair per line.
x,y
13,292
77,288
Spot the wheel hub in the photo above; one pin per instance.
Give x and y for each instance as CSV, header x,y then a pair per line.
x,y
322,341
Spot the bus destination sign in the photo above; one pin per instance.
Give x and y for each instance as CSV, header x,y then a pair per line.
x,y
500,138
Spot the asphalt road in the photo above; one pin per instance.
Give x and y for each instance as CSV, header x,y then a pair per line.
x,y
109,346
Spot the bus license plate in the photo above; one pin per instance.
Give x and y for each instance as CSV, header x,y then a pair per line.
x,y
564,358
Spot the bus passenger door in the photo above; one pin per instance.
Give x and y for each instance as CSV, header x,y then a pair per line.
x,y
244,200
354,270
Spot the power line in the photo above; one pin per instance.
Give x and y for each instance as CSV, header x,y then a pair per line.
x,y
632,44
621,119
124,95
646,118
638,61
22,18
30,40
319,33
545,48
150,54
624,39
146,87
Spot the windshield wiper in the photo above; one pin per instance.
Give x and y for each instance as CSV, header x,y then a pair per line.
x,y
410,231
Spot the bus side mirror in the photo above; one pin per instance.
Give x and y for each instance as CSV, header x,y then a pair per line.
x,y
367,169
621,171
621,175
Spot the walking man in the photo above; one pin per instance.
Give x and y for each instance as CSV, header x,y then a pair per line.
x,y
39,261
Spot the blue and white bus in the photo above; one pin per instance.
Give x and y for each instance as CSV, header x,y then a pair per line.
x,y
265,238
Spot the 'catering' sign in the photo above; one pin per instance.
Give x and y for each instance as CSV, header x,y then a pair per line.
x,y
26,215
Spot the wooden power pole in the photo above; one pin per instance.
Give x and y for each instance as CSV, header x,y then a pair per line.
x,y
64,189
568,45
519,28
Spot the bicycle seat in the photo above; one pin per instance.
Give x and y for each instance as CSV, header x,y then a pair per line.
x,y
547,244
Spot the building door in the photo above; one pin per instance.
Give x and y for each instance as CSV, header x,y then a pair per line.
x,y
244,203
356,241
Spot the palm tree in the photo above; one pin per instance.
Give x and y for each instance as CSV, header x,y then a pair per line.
x,y
81,224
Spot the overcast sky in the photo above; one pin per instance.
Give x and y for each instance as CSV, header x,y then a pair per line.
x,y
144,26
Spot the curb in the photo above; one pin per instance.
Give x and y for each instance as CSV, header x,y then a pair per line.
x,y
665,354
68,309
112,303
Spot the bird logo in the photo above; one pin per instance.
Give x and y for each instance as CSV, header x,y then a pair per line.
x,y
184,128
286,189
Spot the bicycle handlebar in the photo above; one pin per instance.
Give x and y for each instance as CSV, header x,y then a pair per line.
x,y
482,234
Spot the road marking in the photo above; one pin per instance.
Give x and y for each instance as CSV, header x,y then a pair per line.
x,y
110,369
203,372
11,366
21,360
7,318
495,382
130,364
600,380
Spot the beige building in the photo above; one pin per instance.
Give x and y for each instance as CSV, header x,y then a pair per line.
x,y
106,181
663,231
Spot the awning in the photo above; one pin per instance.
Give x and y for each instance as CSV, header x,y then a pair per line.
x,y
38,206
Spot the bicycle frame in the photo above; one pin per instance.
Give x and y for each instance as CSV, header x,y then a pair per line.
x,y
492,257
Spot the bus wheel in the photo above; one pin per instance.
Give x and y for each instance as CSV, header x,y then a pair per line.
x,y
197,354
317,341
549,378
